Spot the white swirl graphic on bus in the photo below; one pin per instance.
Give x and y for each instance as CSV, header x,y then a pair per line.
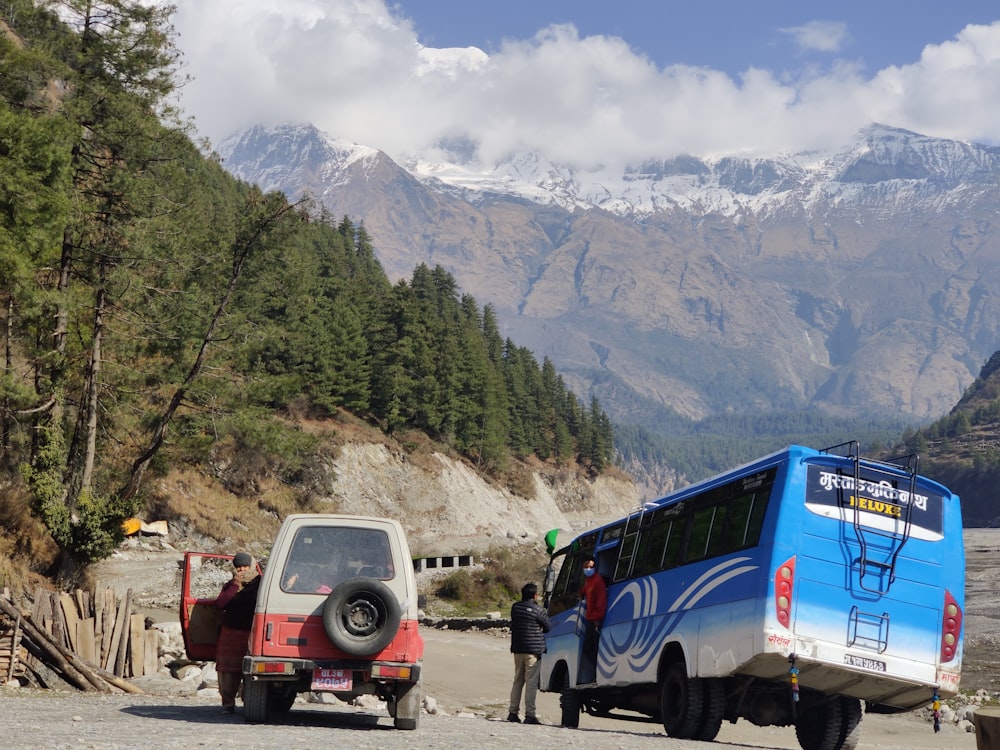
x,y
640,643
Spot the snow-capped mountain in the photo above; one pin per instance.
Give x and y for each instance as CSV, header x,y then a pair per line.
x,y
863,280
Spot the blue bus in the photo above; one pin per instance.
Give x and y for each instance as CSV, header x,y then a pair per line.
x,y
797,590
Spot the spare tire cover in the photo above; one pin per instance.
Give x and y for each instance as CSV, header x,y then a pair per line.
x,y
361,616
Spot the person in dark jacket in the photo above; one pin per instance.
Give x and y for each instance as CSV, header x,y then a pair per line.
x,y
237,601
528,623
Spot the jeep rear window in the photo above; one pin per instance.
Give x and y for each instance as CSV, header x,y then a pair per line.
x,y
323,557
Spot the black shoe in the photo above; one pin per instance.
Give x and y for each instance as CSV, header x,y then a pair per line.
x,y
513,718
531,720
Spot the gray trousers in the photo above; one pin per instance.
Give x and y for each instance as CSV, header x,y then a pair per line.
x,y
526,670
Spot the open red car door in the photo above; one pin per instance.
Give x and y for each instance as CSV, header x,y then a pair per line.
x,y
202,579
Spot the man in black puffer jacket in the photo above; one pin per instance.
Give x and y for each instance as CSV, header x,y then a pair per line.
x,y
528,623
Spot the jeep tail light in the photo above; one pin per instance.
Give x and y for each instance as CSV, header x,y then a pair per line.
x,y
784,580
385,670
952,627
273,667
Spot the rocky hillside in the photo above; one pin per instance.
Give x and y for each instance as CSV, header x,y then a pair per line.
x,y
962,449
444,504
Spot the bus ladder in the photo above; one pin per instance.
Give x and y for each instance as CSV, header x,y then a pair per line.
x,y
892,540
629,543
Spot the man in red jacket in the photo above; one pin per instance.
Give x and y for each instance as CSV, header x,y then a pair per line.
x,y
595,596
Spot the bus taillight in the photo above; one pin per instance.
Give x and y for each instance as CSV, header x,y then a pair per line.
x,y
784,580
952,627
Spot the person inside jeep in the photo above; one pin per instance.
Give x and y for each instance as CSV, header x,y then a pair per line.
x,y
318,577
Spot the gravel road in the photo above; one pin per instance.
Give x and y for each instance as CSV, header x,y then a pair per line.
x,y
49,719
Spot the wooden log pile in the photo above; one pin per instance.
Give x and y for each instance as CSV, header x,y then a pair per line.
x,y
93,641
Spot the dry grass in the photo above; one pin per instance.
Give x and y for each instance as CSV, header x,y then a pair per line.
x,y
492,587
27,553
206,508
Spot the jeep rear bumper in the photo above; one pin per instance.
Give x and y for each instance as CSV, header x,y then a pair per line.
x,y
281,669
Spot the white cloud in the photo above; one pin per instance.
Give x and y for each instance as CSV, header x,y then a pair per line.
x,y
358,71
821,36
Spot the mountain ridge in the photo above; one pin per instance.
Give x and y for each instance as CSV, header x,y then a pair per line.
x,y
860,281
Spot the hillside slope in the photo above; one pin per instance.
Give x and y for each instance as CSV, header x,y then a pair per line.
x,y
444,504
962,449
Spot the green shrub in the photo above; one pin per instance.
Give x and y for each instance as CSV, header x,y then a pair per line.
x,y
457,587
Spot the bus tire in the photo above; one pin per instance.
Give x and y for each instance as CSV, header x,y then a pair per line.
x,y
569,704
256,701
713,710
681,702
820,726
851,723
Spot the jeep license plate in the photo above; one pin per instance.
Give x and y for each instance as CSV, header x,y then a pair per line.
x,y
331,679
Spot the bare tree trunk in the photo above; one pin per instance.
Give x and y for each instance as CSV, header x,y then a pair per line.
x,y
62,307
93,380
8,368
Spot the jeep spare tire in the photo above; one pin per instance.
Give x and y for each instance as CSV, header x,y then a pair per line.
x,y
361,616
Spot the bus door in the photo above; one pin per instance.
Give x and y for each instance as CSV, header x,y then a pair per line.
x,y
565,608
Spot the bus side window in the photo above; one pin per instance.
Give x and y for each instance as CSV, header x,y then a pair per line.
x,y
701,527
654,541
671,553
737,520
718,542
756,521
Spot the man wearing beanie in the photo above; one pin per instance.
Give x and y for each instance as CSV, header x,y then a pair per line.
x,y
236,600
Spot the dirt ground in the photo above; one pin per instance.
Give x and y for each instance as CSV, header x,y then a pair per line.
x,y
981,663
469,673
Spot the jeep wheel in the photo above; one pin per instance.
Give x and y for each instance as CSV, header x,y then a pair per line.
x,y
281,699
361,616
407,700
256,705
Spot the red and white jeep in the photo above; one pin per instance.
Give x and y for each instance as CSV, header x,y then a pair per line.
x,y
336,612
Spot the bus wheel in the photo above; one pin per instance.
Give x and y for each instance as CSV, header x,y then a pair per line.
x,y
851,725
714,708
681,702
569,704
821,726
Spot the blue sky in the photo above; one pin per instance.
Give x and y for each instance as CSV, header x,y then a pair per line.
x,y
591,83
727,35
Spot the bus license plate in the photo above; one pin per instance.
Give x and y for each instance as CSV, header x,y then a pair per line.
x,y
331,679
864,662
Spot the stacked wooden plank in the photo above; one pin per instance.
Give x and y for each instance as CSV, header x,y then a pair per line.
x,y
91,640
12,653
